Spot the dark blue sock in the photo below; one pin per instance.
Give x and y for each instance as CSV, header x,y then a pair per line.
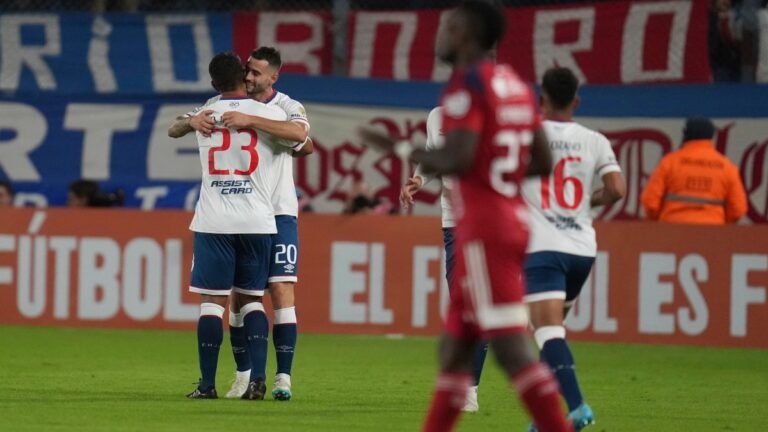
x,y
284,339
557,355
478,360
256,328
209,336
239,348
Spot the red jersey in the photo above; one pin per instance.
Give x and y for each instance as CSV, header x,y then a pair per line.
x,y
492,226
492,101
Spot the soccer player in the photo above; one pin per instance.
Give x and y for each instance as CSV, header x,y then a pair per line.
x,y
491,132
562,247
262,72
233,224
420,179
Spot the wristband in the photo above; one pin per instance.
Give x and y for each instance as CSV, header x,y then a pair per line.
x,y
403,149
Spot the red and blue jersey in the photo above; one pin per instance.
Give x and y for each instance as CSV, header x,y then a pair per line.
x,y
491,100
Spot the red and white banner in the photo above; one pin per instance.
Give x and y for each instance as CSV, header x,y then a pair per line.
x,y
304,38
653,283
625,42
639,143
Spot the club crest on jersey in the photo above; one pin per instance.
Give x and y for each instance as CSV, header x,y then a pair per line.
x,y
457,104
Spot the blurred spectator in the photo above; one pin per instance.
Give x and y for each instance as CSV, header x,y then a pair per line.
x,y
734,39
305,203
724,42
360,199
695,184
6,194
86,193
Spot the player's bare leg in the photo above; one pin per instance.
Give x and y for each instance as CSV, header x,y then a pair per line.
x,y
547,318
256,329
209,337
534,383
452,384
284,335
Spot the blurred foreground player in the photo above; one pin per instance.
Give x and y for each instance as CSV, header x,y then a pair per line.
x,y
562,247
435,140
492,131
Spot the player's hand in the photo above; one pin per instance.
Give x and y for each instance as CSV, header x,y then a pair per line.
x,y
235,119
374,138
203,122
406,193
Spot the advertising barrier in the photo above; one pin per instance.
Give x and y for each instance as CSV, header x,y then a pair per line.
x,y
652,283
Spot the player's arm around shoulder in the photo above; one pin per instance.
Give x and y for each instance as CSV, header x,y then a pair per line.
x,y
199,119
291,130
293,127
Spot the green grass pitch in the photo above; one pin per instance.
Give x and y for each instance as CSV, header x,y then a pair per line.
x,y
55,379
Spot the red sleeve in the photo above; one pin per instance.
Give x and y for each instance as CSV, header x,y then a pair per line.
x,y
462,109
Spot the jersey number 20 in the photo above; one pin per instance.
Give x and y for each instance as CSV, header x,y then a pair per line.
x,y
253,161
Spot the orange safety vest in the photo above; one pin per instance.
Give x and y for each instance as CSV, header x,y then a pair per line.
x,y
695,184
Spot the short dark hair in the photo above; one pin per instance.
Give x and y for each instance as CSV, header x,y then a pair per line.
x,y
560,84
7,185
698,128
84,189
226,70
486,21
270,54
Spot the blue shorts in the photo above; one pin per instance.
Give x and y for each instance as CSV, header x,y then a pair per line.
x,y
284,261
555,275
224,262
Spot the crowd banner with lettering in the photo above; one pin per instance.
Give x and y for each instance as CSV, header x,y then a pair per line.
x,y
621,42
652,283
625,42
305,39
116,53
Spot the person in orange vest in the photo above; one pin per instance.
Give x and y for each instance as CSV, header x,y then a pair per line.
x,y
695,184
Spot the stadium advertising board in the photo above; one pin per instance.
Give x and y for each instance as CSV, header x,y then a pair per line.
x,y
125,145
625,42
652,283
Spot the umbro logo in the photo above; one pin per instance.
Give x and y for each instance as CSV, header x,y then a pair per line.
x,y
289,267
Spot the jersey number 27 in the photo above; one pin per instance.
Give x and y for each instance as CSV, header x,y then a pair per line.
x,y
505,165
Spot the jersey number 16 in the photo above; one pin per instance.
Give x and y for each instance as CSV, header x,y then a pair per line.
x,y
560,181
